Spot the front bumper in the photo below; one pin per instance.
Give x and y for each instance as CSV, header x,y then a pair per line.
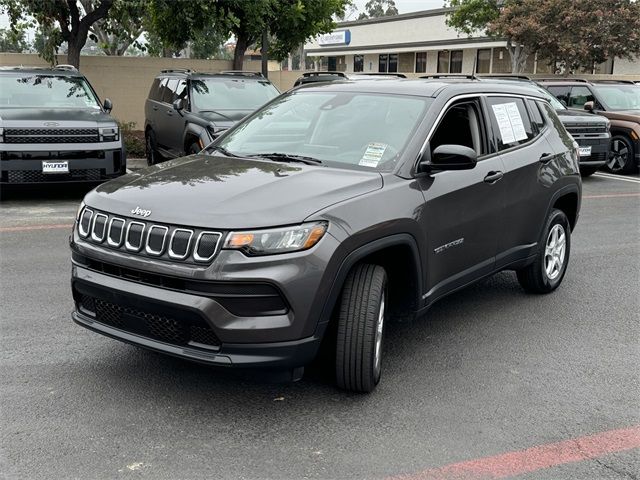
x,y
599,150
85,165
154,304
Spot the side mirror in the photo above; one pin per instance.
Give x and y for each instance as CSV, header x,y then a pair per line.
x,y
590,106
178,104
107,105
450,157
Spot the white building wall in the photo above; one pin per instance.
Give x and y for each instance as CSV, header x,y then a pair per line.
x,y
626,67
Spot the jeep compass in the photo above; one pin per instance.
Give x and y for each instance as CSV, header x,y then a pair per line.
x,y
328,212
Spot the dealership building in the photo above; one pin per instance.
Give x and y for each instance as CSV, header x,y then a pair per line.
x,y
422,43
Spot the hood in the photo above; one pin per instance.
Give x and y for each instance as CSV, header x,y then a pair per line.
x,y
628,115
36,117
580,116
224,119
231,193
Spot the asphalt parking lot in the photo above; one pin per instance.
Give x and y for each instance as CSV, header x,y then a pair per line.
x,y
492,383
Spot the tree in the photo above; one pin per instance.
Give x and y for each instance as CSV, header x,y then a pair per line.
x,y
13,40
121,28
62,20
378,8
208,44
577,33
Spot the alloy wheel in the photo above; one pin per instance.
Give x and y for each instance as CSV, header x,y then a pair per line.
x,y
555,251
619,156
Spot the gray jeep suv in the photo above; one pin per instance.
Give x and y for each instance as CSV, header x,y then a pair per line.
x,y
186,110
54,129
327,212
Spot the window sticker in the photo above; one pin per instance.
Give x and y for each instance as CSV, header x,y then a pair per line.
x,y
373,154
509,122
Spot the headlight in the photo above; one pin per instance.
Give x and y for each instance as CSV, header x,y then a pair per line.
x,y
109,134
277,240
79,210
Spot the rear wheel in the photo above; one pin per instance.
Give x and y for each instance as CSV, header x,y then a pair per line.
x,y
360,329
546,273
193,148
621,158
151,151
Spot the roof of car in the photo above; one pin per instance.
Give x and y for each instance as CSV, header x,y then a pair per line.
x,y
425,87
60,70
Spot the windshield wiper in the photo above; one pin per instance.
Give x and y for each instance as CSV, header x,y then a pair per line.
x,y
218,113
287,157
222,150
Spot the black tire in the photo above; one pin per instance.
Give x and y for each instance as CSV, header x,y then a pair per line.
x,y
588,171
360,326
540,276
193,148
622,156
151,150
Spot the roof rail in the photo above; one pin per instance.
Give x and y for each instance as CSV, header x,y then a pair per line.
x,y
561,79
242,73
506,77
616,81
65,66
316,74
176,70
449,75
380,74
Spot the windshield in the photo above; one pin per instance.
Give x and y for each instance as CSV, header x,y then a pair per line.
x,y
555,103
619,97
230,94
46,91
352,128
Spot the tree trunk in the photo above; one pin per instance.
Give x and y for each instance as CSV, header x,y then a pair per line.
x,y
242,42
73,52
518,55
264,53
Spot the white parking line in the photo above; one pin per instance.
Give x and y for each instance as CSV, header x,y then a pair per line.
x,y
612,176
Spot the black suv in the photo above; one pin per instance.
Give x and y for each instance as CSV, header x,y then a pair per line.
x,y
186,110
617,100
332,209
54,129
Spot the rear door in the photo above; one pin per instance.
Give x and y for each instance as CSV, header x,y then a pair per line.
x,y
520,135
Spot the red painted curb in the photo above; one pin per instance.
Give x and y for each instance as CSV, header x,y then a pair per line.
x,y
535,458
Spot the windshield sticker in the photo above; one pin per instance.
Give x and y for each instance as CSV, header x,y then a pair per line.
x,y
373,154
509,122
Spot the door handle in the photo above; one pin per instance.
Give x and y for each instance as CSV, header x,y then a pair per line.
x,y
546,157
155,107
493,177
170,113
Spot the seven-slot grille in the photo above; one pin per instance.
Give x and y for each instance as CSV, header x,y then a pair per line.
x,y
147,238
51,135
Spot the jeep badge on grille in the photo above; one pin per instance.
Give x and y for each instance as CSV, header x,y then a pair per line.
x,y
141,212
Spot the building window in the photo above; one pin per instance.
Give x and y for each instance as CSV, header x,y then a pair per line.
x,y
483,60
443,61
455,65
358,63
382,63
393,62
421,62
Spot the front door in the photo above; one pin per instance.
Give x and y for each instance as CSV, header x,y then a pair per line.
x,y
461,216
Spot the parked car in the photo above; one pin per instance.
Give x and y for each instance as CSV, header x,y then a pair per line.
x,y
315,77
619,101
592,132
332,209
186,110
54,129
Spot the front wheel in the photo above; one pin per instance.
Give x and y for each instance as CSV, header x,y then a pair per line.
x,y
621,157
360,329
546,273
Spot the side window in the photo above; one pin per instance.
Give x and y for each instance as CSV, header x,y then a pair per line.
x,y
461,125
580,96
561,92
536,115
181,92
154,90
162,89
510,121
170,91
